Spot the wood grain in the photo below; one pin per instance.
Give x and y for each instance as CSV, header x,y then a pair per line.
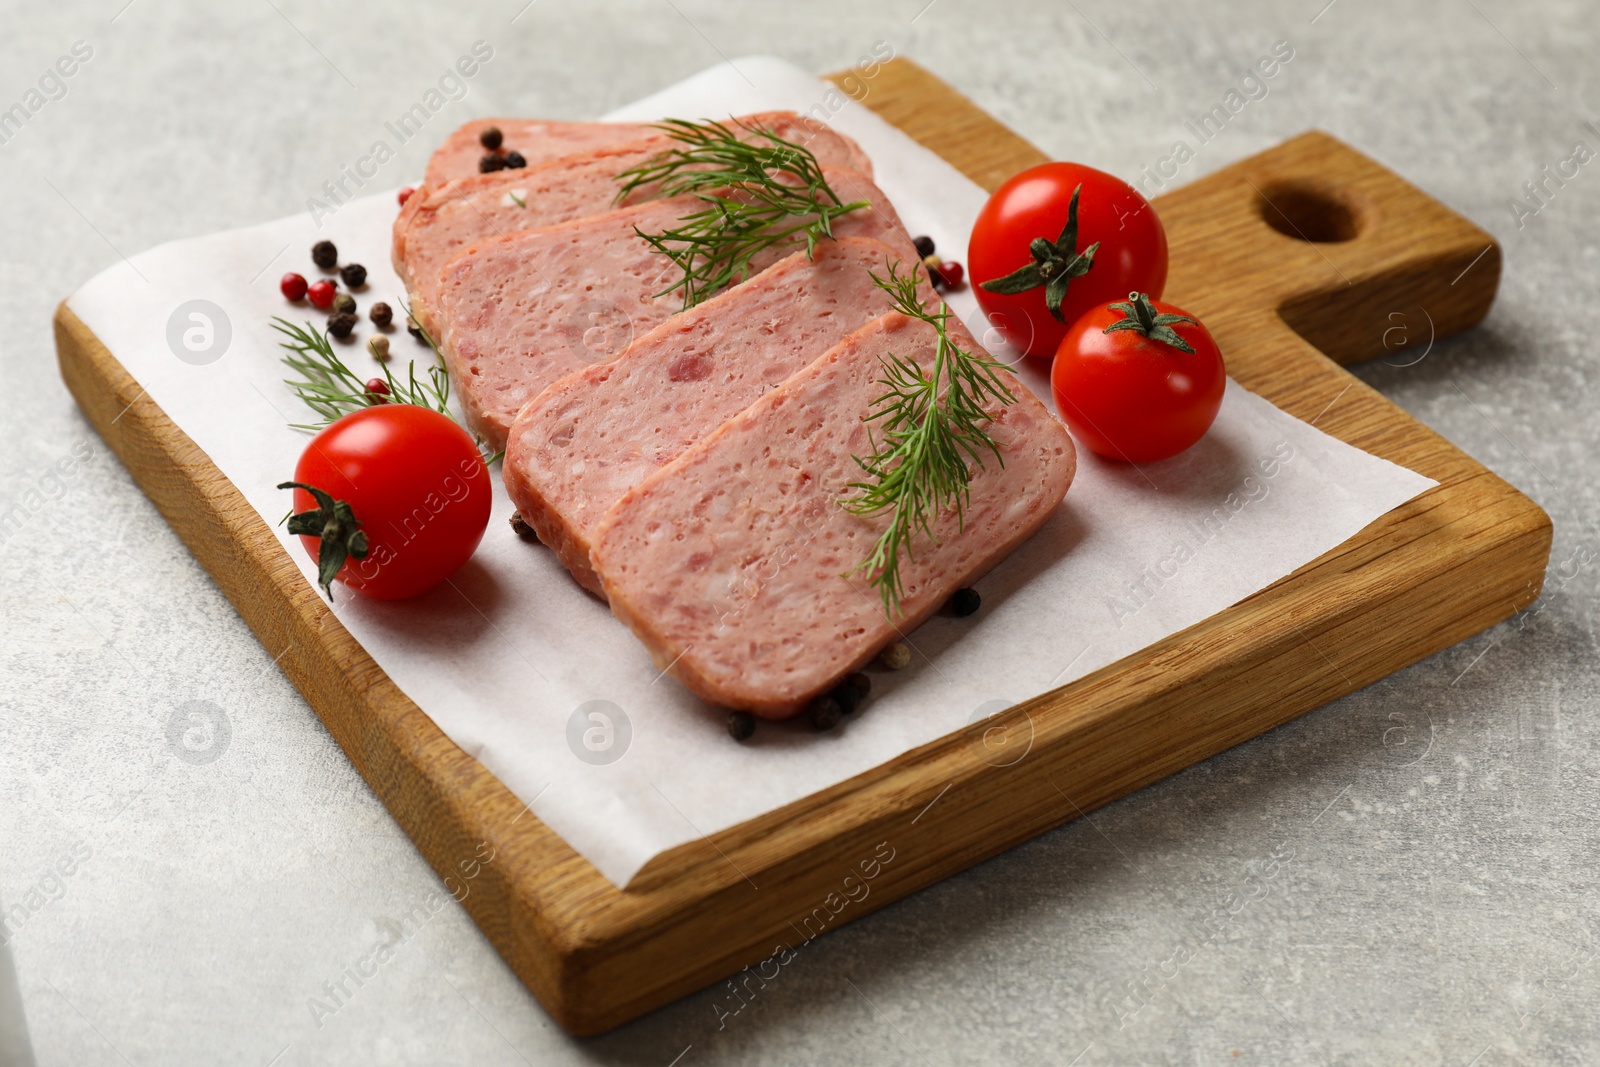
x,y
1286,310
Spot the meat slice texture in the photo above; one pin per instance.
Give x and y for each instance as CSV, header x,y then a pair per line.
x,y
537,139
732,563
577,447
436,223
518,313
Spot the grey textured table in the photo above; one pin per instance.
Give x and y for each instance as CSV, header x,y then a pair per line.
x,y
1414,869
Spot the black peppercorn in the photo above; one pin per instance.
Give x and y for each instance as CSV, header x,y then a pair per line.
x,y
524,531
859,682
934,276
825,713
514,161
924,245
344,302
741,724
965,602
491,163
847,697
381,315
490,137
325,255
354,275
341,323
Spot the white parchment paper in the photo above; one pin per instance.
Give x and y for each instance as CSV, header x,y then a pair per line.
x,y
536,679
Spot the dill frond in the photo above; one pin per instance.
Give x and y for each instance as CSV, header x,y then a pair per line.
x,y
928,434
759,191
332,390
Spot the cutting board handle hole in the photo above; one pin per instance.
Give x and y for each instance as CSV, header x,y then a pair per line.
x,y
1308,212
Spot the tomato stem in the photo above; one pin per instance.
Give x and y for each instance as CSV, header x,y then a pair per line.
x,y
1054,265
335,525
1140,316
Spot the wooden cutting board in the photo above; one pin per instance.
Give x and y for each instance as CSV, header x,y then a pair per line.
x,y
1299,259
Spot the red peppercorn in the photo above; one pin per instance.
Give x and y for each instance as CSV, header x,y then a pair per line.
x,y
379,389
952,273
321,294
292,286
405,194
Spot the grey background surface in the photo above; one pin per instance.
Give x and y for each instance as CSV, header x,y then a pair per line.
x,y
1414,868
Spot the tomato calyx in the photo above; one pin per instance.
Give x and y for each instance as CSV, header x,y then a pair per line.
x,y
1142,318
335,525
1054,265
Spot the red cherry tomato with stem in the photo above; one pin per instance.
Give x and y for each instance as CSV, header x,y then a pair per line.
x,y
1138,380
401,500
1025,236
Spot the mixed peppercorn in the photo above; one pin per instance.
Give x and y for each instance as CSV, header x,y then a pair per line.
x,y
497,158
946,274
965,602
325,255
523,529
341,323
826,711
324,295
320,293
897,657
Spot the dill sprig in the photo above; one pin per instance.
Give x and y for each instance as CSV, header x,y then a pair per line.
x,y
930,430
333,390
759,191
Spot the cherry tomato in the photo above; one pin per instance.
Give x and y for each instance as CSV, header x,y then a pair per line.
x,y
1040,204
405,498
1126,386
